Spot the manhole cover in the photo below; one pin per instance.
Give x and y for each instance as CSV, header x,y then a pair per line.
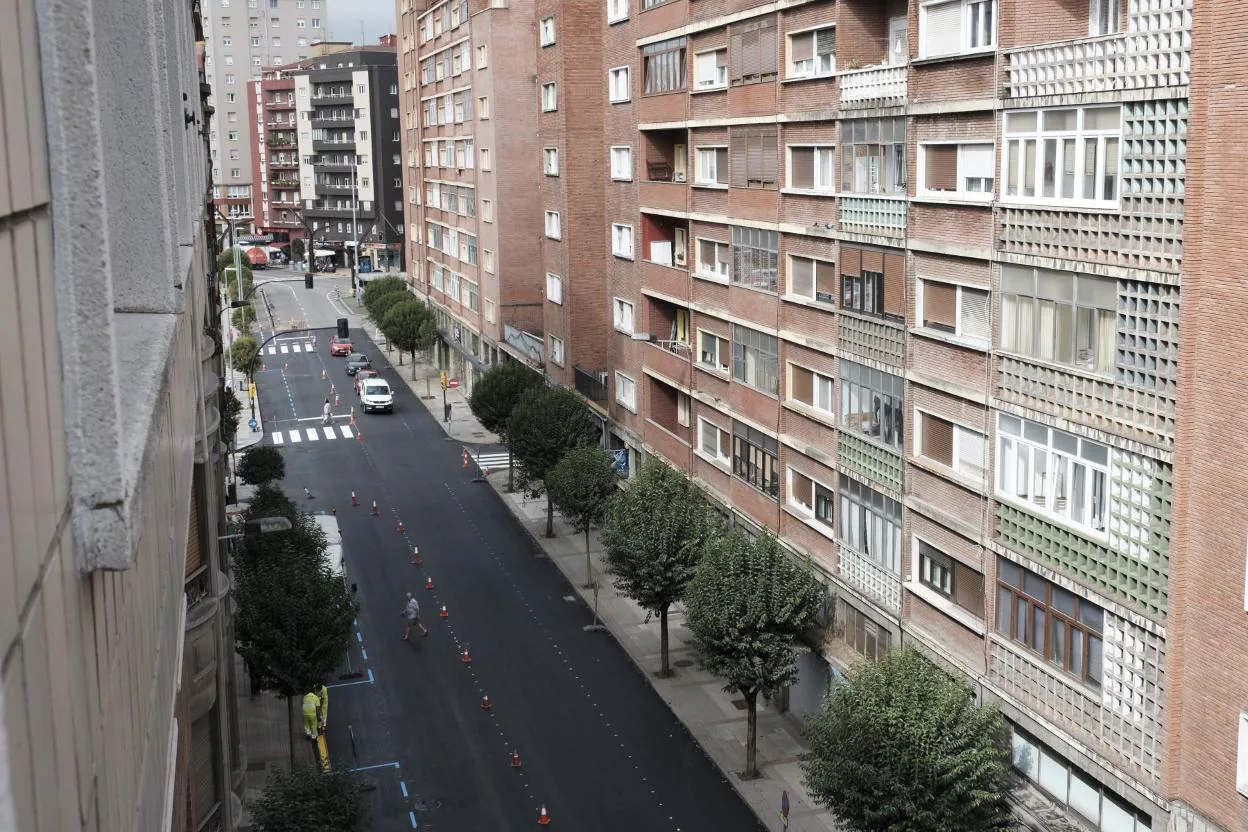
x,y
428,398
479,434
684,662
739,704
426,804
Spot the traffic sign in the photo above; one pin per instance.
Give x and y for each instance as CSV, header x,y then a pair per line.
x,y
252,424
453,383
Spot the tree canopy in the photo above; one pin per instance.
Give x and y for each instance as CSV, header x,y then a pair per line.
x,y
260,464
747,605
901,747
231,408
494,397
546,423
582,485
655,536
379,287
245,355
410,326
306,800
242,318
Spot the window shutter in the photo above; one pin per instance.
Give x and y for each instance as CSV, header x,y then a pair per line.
x,y
803,385
738,148
194,558
721,165
968,589
940,304
769,168
801,278
768,47
976,161
873,261
943,28
972,453
894,284
938,439
825,42
851,262
803,488
940,167
801,167
750,65
802,47
203,773
825,281
737,56
754,161
975,321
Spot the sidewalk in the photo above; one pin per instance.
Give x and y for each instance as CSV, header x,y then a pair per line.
x,y
267,732
695,696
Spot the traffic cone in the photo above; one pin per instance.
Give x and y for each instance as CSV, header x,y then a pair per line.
x,y
375,512
307,494
402,529
416,556
466,658
442,613
429,583
355,501
485,702
543,819
515,758
359,435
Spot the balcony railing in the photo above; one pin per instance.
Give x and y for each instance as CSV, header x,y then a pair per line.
x,y
869,214
871,578
680,348
1113,63
875,86
591,384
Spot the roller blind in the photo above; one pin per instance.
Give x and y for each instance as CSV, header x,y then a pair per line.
x,y
803,385
942,28
940,163
825,281
801,167
894,284
938,439
801,276
940,305
803,47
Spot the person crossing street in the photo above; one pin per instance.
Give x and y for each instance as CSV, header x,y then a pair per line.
x,y
412,613
326,413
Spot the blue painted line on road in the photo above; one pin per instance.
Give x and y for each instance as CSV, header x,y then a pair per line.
x,y
359,636
412,817
403,786
378,765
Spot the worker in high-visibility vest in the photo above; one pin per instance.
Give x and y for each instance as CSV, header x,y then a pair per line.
x,y
322,696
311,703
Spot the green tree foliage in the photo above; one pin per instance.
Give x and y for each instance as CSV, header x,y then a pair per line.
x,y
747,605
242,318
225,271
306,800
261,464
384,303
231,408
245,355
582,485
494,397
902,747
546,423
297,249
380,287
655,537
410,326
271,501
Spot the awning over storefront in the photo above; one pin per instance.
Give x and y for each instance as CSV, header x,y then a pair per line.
x,y
323,252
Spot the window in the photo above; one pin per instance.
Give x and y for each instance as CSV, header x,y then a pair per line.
x,y
949,27
485,158
755,359
873,156
1074,789
617,10
713,258
684,406
811,388
812,279
1059,625
546,31
755,257
1241,768
1063,155
235,173
550,97
483,108
813,53
275,22
316,23
710,69
714,442
229,78
228,60
663,66
860,632
618,88
1053,472
958,310
810,498
871,283
552,225
754,456
626,391
487,210
483,56
712,168
871,403
812,168
1062,317
489,311
752,47
621,163
956,447
1102,17
622,240
556,350
950,578
870,524
622,315
550,161
963,169
231,117
754,155
713,351
232,135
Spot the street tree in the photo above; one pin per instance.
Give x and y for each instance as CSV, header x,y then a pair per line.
x,y
494,397
306,799
747,605
902,747
231,408
242,318
655,536
245,356
297,249
546,423
261,464
384,303
410,326
381,286
582,485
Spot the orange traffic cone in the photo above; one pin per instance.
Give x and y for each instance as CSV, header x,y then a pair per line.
x,y
375,512
355,501
285,366
466,658
485,702
359,435
416,556
515,758
402,529
442,613
543,819
429,582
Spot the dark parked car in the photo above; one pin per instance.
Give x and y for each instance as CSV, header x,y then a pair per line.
x,y
357,361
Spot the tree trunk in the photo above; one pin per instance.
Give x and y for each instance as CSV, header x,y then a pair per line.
x,y
751,736
589,563
511,471
550,517
400,352
413,365
665,668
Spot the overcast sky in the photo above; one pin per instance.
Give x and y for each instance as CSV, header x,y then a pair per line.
x,y
345,17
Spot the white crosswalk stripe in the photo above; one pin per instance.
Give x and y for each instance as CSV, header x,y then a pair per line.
x,y
296,436
346,431
285,349
271,350
312,434
329,433
277,437
492,461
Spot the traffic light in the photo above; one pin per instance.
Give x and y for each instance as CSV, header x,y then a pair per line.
x,y
307,280
442,379
343,332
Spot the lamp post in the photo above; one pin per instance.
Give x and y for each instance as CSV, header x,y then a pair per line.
x,y
262,525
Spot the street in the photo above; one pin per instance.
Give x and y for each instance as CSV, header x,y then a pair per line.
x,y
597,746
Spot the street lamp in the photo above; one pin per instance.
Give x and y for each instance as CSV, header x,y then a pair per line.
x,y
262,525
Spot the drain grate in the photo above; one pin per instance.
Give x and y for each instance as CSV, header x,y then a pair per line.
x,y
684,662
426,804
739,704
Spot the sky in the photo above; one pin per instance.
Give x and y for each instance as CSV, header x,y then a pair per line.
x,y
345,17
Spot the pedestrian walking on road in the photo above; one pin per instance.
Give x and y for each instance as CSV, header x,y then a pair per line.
x,y
326,413
412,613
310,704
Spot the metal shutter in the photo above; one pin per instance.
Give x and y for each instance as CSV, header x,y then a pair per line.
x,y
825,281
738,148
938,439
768,47
968,589
894,284
975,316
768,173
942,28
203,768
801,167
803,47
940,305
803,488
803,385
194,557
940,167
801,276
851,262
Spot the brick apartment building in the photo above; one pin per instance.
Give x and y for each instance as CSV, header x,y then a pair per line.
x,y
900,282
275,166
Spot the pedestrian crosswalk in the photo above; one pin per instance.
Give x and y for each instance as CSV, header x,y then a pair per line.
x,y
493,461
295,436
286,349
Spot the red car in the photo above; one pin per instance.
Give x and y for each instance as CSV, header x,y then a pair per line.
x,y
340,346
360,376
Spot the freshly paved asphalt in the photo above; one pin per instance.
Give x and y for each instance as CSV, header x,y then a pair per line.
x,y
599,749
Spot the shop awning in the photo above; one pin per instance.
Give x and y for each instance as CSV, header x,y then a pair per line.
x,y
323,252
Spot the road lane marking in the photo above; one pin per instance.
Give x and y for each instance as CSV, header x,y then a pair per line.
x,y
295,436
277,437
285,349
271,350
378,765
312,434
346,431
329,433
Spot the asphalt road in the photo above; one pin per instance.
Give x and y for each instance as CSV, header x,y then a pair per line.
x,y
598,747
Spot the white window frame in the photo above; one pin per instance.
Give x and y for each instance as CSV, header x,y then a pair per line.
x,y
702,153
983,339
623,315
622,172
818,185
964,442
487,260
713,273
807,512
554,288
619,85
971,27
483,55
828,382
814,284
550,97
684,409
719,79
626,391
1241,767
618,240
961,192
1100,140
723,353
617,11
1098,9
546,31
791,69
550,161
556,350
554,229
719,458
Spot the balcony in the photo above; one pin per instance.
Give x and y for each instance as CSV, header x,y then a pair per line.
x,y
592,384
874,215
875,86
284,164
342,95
665,241
283,183
665,154
670,359
320,145
869,577
1113,63
286,126
279,105
333,123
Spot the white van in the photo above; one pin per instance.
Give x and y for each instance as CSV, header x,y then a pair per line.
x,y
329,525
377,395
